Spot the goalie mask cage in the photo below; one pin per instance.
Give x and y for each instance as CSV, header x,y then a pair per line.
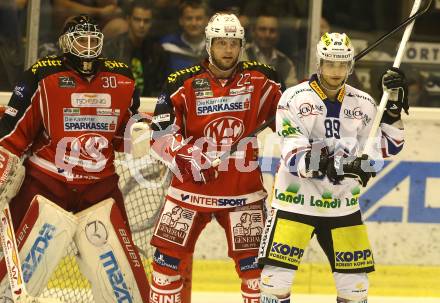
x,y
144,184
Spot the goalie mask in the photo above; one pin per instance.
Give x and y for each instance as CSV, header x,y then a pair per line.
x,y
223,26
81,42
335,59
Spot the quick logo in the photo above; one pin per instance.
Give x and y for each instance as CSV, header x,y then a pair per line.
x,y
115,277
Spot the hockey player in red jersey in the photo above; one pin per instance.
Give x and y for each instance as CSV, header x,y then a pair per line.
x,y
202,111
68,114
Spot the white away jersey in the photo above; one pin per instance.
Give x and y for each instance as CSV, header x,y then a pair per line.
x,y
305,117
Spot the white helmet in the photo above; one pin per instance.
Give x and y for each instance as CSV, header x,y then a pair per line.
x,y
223,26
335,47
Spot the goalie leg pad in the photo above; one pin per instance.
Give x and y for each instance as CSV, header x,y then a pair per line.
x,y
108,257
42,239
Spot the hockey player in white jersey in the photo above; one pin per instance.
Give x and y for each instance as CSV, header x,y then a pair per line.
x,y
324,124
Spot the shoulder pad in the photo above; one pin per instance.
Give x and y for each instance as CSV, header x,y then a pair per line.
x,y
267,70
47,65
116,66
357,93
178,77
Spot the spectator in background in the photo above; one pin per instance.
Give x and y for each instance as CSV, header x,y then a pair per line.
x,y
11,54
417,94
106,12
146,58
188,47
265,34
167,17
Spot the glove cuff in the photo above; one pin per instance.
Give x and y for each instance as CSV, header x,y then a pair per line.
x,y
388,119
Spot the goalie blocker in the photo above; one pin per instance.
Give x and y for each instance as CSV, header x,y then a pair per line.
x,y
107,256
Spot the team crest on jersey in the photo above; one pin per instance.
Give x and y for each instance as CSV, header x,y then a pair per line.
x,y
175,223
66,82
247,228
224,130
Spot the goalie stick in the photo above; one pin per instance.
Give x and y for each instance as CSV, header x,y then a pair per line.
x,y
13,264
360,55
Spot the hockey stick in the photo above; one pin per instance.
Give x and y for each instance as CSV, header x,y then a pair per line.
x,y
13,264
357,57
383,102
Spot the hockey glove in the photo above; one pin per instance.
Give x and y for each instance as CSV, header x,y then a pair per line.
x,y
316,163
394,81
190,161
332,173
355,169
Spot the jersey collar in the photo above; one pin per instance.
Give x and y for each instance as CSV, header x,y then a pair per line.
x,y
314,84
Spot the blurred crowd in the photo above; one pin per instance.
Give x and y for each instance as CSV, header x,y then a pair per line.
x,y
157,37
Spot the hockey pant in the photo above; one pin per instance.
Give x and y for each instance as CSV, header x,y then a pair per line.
x,y
176,233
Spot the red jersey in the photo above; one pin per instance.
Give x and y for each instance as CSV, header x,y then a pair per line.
x,y
197,107
70,125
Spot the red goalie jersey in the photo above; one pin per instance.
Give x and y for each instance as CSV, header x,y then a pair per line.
x,y
70,124
197,108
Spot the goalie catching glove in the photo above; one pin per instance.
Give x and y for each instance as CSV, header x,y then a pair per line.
x,y
194,165
394,82
11,176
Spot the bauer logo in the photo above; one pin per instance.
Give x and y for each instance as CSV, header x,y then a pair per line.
x,y
35,256
96,233
115,277
91,100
